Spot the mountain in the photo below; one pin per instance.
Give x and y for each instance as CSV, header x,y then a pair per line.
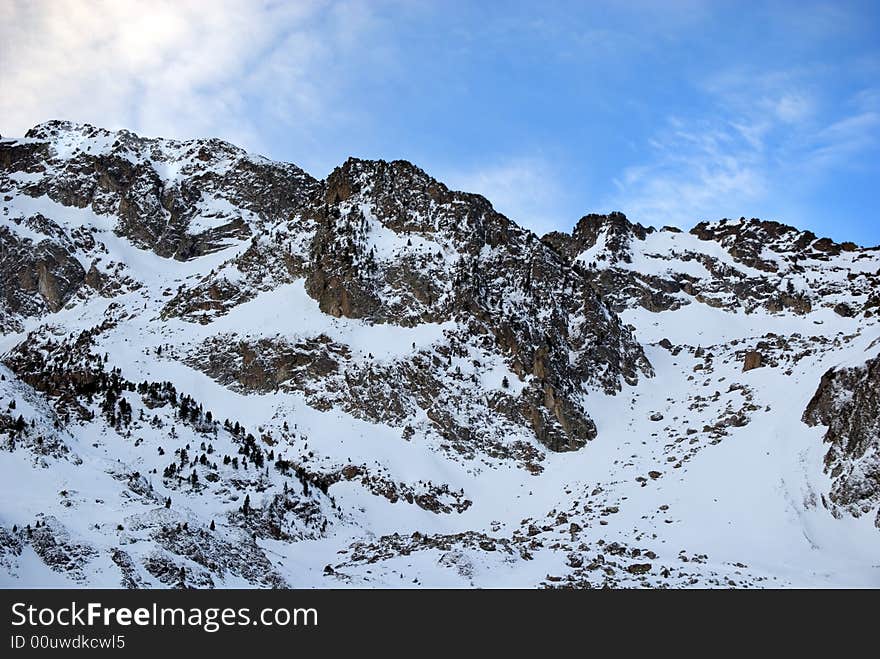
x,y
218,371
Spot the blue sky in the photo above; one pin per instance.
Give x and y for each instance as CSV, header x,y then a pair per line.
x,y
672,111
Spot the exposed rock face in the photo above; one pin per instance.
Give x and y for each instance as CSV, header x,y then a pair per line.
x,y
37,277
848,402
54,545
156,188
614,230
753,359
745,243
264,265
843,309
266,365
396,246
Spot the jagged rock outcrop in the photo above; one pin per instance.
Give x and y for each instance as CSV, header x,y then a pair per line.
x,y
745,265
847,401
746,241
37,277
614,230
396,246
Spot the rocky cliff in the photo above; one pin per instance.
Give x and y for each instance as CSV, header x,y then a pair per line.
x,y
847,401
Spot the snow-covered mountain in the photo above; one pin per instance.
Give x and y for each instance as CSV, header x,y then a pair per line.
x,y
218,371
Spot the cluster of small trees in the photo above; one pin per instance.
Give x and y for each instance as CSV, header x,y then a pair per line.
x,y
157,394
116,409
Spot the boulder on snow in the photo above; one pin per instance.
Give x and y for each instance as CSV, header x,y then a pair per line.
x,y
843,309
753,359
638,568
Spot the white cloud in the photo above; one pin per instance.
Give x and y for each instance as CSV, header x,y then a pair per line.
x,y
179,68
772,96
792,107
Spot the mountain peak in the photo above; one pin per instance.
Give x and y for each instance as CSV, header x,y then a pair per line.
x,y
614,230
56,127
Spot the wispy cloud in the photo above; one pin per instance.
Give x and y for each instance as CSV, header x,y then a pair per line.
x,y
845,138
840,142
696,172
766,134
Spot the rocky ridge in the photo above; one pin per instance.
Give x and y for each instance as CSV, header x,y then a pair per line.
x,y
746,265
